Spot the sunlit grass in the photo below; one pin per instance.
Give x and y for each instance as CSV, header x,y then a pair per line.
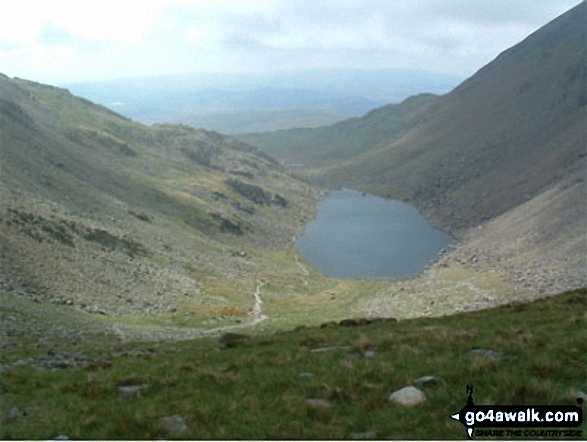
x,y
255,391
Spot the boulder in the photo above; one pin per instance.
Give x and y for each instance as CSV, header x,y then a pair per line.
x,y
408,396
13,416
131,391
172,425
318,404
426,381
487,353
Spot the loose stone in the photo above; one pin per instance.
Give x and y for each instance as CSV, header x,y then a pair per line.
x,y
172,425
426,381
14,414
131,391
408,396
488,353
319,404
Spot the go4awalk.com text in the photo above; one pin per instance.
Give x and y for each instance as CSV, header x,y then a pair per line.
x,y
505,420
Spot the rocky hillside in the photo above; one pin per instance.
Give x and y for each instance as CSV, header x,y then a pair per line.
x,y
112,216
512,130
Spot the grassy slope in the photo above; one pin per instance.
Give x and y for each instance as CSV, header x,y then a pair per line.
x,y
66,175
138,236
331,144
254,391
71,168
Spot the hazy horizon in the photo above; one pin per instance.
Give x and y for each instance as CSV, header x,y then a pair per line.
x,y
61,42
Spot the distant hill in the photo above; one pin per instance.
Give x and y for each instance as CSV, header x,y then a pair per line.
x,y
237,122
347,139
201,99
502,137
117,217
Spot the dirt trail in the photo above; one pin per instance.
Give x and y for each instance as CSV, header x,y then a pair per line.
x,y
126,333
256,311
302,268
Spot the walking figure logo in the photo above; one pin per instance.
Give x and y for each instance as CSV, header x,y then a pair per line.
x,y
470,395
460,416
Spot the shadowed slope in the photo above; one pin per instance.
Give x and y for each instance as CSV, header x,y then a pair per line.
x,y
500,138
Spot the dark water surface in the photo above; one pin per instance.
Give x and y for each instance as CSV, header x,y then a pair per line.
x,y
356,236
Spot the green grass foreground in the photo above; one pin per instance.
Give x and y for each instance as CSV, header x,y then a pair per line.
x,y
253,389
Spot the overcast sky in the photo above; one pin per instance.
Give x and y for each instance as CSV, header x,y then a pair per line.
x,y
59,41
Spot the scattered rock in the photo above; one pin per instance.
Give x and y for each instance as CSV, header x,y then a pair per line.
x,y
61,361
14,414
426,381
408,396
172,425
369,353
62,437
319,404
99,365
578,394
131,391
256,194
488,353
278,200
95,310
326,349
306,375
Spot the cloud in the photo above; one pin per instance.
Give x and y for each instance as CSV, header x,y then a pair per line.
x,y
51,35
65,40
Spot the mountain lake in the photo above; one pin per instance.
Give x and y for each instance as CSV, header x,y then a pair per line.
x,y
362,236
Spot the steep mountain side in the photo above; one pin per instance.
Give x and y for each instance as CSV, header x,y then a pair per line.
x,y
347,139
504,135
112,216
541,243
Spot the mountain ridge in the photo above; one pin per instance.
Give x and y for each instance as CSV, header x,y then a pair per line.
x,y
344,139
109,216
508,132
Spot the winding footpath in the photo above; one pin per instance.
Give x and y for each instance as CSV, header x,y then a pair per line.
x,y
256,311
303,269
126,333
